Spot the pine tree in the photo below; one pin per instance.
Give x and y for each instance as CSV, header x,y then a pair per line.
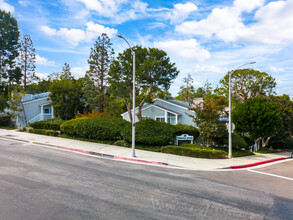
x,y
27,60
99,62
9,35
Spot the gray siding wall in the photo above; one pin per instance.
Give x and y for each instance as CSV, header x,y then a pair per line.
x,y
183,118
152,112
32,109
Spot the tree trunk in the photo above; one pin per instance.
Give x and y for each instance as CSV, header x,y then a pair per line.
x,y
139,109
257,143
129,112
23,113
264,143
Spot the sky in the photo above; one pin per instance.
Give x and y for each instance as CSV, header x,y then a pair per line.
x,y
204,38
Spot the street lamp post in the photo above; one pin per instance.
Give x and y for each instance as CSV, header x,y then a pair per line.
x,y
133,97
230,110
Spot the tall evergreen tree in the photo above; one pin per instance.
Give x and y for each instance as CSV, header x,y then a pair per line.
x,y
99,62
9,35
27,60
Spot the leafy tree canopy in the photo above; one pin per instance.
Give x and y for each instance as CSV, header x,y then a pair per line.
x,y
153,70
247,83
257,117
207,119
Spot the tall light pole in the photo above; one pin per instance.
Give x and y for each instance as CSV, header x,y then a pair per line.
x,y
230,110
133,98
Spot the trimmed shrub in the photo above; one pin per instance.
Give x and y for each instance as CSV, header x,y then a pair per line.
x,y
180,129
237,141
150,132
50,124
5,120
100,128
281,143
194,152
44,132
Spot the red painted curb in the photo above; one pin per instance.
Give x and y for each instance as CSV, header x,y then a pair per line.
x,y
141,161
74,149
111,156
257,163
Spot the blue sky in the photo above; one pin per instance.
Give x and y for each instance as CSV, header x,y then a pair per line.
x,y
205,38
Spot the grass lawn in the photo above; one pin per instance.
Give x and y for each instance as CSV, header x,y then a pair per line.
x,y
8,128
269,151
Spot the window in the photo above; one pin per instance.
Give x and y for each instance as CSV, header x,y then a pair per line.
x,y
161,119
171,118
47,110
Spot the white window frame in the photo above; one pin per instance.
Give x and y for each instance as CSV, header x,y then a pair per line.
x,y
161,117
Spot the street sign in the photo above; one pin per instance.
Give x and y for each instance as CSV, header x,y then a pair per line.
x,y
223,119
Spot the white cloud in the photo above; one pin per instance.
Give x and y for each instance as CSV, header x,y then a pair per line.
x,y
74,36
6,7
42,75
107,8
208,70
44,61
23,3
187,49
181,12
79,71
276,69
273,23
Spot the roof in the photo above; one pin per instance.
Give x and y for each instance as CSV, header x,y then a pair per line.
x,y
180,103
166,109
30,97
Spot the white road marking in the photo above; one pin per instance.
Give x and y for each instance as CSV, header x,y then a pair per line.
x,y
269,174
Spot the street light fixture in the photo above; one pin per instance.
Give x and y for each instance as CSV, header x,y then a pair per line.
x,y
133,97
230,109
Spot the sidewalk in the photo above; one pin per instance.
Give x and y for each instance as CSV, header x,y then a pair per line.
x,y
142,157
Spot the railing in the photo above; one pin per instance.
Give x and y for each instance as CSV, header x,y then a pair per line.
x,y
40,117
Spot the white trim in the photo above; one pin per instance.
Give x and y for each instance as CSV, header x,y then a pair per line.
x,y
166,116
170,103
152,105
35,100
160,117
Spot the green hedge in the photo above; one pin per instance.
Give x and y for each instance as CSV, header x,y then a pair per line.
x,y
281,143
150,132
180,129
237,141
100,128
50,124
45,132
5,120
194,152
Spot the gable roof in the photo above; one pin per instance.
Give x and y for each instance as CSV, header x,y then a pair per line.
x,y
181,104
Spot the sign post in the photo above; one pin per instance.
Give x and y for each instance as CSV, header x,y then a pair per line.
x,y
184,137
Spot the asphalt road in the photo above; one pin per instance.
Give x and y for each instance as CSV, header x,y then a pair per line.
x,y
43,183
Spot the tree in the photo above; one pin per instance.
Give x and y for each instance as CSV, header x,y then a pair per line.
x,y
183,91
16,105
27,60
247,83
9,35
257,117
99,62
286,114
153,70
65,94
207,119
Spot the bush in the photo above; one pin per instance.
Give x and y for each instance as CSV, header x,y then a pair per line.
x,y
194,152
5,120
100,128
50,124
44,132
281,143
150,132
237,141
180,129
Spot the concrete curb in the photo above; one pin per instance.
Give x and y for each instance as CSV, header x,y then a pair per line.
x,y
108,156
257,163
